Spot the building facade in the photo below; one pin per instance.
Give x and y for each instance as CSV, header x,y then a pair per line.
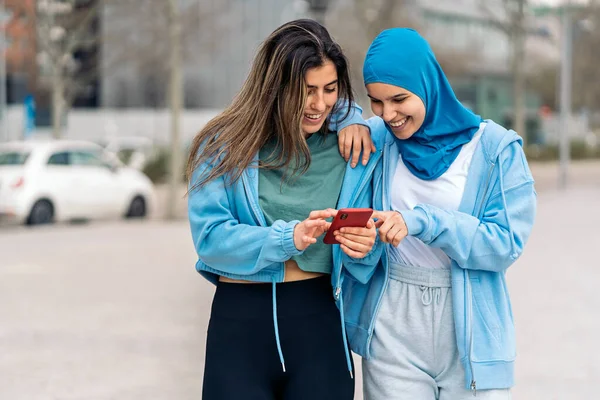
x,y
20,34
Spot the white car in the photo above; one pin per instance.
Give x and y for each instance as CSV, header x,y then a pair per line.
x,y
60,180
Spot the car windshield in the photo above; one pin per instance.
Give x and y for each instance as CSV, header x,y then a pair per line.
x,y
13,157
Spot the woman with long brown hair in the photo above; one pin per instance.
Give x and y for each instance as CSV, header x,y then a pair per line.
x,y
264,177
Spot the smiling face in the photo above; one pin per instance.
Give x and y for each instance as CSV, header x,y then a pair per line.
x,y
322,94
402,111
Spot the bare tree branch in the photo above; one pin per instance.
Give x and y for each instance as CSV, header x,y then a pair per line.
x,y
139,39
82,26
493,18
512,22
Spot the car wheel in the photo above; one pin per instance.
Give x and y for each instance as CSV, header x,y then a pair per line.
x,y
137,208
41,213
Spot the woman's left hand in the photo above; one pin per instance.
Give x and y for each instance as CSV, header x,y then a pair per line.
x,y
352,140
357,242
391,225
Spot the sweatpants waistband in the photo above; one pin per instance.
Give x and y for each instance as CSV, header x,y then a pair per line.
x,y
420,276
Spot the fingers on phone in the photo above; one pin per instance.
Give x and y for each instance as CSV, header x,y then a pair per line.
x,y
350,252
377,215
309,240
316,223
322,214
355,231
356,243
358,238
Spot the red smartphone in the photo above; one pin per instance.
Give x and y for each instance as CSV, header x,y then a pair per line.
x,y
348,218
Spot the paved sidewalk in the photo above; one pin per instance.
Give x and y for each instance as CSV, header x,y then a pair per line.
x,y
115,311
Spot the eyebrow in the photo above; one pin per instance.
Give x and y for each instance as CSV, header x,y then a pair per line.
x,y
330,83
398,96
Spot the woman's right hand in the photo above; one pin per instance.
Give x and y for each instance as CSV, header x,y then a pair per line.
x,y
307,231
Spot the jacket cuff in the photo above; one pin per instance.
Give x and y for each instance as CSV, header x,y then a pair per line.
x,y
416,221
287,239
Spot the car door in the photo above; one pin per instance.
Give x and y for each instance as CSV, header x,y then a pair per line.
x,y
103,193
62,182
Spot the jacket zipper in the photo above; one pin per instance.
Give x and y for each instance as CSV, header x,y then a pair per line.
x,y
387,277
338,289
250,199
469,290
255,212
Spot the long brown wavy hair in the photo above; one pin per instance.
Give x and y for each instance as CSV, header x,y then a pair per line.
x,y
270,106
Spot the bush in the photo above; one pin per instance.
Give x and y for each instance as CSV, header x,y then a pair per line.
x,y
125,155
157,168
579,150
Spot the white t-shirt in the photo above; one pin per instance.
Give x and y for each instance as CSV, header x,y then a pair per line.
x,y
445,192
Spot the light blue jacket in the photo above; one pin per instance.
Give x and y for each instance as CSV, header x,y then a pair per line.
x,y
483,238
232,238
229,230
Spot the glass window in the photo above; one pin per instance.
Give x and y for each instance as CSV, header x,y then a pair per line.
x,y
13,158
61,158
88,158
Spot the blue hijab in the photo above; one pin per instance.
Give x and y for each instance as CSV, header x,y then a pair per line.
x,y
401,57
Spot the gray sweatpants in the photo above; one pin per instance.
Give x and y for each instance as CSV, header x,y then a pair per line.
x,y
414,351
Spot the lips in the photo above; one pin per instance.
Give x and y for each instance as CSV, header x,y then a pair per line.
x,y
399,124
313,119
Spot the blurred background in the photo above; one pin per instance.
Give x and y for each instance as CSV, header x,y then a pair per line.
x,y
100,99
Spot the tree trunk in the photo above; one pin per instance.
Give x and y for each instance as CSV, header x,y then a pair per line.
x,y
518,62
57,103
175,103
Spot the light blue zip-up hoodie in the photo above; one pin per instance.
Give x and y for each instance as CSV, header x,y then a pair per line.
x,y
232,238
483,238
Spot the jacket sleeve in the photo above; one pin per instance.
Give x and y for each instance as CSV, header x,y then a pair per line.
x,y
362,269
224,244
491,243
338,122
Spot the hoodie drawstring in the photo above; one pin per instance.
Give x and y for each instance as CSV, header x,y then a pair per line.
x,y
348,360
429,293
276,326
278,341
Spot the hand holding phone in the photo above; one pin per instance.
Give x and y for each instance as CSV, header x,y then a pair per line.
x,y
347,217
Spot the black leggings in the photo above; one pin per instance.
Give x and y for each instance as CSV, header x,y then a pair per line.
x,y
242,361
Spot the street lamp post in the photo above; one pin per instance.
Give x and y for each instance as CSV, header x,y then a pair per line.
x,y
565,95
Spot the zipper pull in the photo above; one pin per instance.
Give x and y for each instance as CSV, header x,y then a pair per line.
x,y
474,388
338,290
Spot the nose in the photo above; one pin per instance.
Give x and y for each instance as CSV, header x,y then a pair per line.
x,y
318,102
388,113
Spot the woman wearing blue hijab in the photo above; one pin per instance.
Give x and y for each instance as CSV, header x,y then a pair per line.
x,y
455,206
